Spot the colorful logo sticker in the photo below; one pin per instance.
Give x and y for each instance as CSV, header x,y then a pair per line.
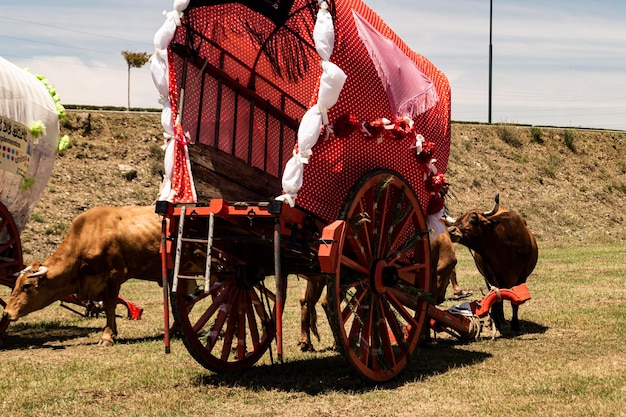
x,y
15,147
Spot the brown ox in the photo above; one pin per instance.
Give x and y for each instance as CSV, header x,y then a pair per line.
x,y
503,247
443,267
104,247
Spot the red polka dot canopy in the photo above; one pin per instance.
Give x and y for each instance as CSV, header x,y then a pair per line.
x,y
335,92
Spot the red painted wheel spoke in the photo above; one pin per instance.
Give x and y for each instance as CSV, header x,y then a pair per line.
x,y
227,342
257,303
381,210
399,231
395,326
217,302
358,238
7,244
189,300
363,230
408,316
355,265
353,304
386,347
252,323
357,254
377,324
241,327
364,339
216,328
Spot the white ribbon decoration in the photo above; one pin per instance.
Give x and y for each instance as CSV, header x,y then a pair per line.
x,y
180,5
331,83
419,140
158,70
324,32
309,131
164,35
160,77
166,119
166,193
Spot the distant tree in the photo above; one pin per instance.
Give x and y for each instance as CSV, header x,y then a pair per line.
x,y
134,60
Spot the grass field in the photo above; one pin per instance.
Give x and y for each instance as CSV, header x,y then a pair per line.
x,y
570,360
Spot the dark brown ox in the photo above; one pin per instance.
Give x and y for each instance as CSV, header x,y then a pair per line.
x,y
104,247
443,267
503,247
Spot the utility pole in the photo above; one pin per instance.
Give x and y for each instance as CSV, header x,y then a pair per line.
x,y
490,56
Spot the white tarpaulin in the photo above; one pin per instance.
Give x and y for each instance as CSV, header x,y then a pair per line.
x,y
27,162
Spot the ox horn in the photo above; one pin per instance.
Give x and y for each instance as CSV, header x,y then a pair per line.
x,y
495,208
23,271
42,271
449,221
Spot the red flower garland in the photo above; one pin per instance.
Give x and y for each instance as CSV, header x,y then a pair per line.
x,y
436,184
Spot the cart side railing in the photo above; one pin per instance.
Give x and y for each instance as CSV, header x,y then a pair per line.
x,y
227,108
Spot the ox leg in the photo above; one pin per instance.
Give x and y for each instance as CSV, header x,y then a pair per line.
x,y
308,313
514,319
325,307
497,318
109,335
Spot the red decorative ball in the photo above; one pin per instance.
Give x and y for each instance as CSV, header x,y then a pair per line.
x,y
345,125
435,183
435,205
428,148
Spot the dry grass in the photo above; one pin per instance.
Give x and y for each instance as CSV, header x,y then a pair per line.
x,y
569,360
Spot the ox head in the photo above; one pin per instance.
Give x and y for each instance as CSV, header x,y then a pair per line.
x,y
471,226
31,292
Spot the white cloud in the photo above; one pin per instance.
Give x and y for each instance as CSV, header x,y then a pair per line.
x,y
95,83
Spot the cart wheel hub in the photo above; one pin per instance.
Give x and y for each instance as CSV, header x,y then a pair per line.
x,y
383,276
247,276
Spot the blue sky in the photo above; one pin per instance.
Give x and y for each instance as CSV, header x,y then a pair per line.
x,y
557,62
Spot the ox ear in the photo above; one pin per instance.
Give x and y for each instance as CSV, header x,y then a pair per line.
x,y
473,219
41,279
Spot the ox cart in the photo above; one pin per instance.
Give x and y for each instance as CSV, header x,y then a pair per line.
x,y
29,127
352,203
29,130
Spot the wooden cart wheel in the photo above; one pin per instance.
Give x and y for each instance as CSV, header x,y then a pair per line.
x,y
10,255
376,311
10,247
230,327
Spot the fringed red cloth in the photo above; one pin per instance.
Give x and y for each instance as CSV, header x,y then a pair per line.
x,y
182,180
290,62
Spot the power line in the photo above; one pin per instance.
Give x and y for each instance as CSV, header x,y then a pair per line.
x,y
71,30
123,68
58,44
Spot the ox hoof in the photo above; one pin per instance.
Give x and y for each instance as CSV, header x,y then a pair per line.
x,y
306,347
496,334
104,342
